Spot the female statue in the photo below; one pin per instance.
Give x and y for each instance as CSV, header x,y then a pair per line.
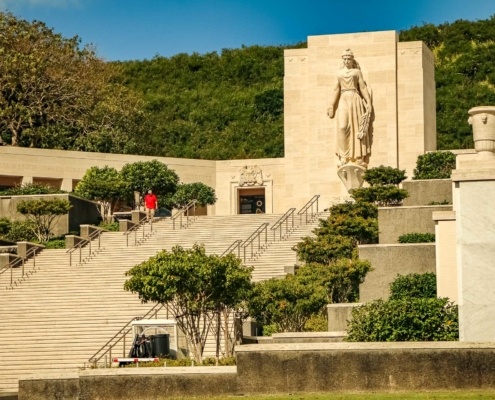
x,y
353,100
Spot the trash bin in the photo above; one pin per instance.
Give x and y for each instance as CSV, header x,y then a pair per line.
x,y
160,345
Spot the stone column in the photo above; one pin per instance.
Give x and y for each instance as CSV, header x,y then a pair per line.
x,y
474,195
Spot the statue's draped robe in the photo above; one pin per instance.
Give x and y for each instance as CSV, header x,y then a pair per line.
x,y
350,114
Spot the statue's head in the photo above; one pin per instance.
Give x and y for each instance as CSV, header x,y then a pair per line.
x,y
348,59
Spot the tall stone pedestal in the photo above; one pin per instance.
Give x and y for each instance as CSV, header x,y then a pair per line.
x,y
474,196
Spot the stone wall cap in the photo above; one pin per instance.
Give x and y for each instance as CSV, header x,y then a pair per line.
x,y
309,334
481,174
366,246
369,346
52,376
344,305
433,206
159,371
443,215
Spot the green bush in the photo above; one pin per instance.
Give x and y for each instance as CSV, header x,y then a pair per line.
x,y
434,165
20,231
416,319
414,286
4,226
31,188
387,195
184,362
55,244
384,176
110,226
417,238
317,323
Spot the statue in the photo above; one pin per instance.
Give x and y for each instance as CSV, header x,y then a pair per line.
x,y
351,102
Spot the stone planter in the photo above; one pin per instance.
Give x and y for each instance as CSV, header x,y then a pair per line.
x,y
482,119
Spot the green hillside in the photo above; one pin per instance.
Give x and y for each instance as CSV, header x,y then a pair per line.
x,y
213,106
464,73
230,105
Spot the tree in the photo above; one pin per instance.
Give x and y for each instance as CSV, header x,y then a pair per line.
x,y
286,303
341,278
142,176
348,225
196,287
43,214
187,192
102,185
55,94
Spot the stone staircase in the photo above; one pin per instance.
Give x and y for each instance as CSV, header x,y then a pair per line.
x,y
57,316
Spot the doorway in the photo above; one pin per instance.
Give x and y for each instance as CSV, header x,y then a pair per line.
x,y
251,201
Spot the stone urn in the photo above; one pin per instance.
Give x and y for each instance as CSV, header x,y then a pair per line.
x,y
482,119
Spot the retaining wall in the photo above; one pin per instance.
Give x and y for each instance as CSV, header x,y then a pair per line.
x,y
287,369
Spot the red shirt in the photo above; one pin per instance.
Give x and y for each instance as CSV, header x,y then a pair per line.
x,y
150,201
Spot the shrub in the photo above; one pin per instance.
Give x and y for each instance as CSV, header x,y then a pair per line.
x,y
184,362
317,323
384,176
286,303
417,319
341,278
110,226
55,244
414,286
31,188
417,238
4,226
434,165
388,195
20,231
324,249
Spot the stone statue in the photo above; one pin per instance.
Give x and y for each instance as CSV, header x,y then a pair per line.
x,y
351,103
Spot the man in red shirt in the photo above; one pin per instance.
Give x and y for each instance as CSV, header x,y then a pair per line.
x,y
150,204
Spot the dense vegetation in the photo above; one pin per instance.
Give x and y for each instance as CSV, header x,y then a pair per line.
x,y
413,313
226,105
464,73
213,106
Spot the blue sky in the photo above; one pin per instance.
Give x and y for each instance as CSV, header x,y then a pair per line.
x,y
141,29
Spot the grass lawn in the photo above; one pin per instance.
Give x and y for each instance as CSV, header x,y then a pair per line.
x,y
479,395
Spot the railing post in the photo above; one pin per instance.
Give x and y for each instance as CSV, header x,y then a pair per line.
x,y
123,344
70,259
11,275
23,267
80,254
110,356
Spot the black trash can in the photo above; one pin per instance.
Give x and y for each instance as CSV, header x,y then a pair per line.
x,y
160,345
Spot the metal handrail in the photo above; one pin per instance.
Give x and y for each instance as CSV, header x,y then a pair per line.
x,y
182,211
255,235
282,219
135,228
12,264
79,245
306,207
108,346
235,245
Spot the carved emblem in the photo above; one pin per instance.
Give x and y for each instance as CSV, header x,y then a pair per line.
x,y
250,175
